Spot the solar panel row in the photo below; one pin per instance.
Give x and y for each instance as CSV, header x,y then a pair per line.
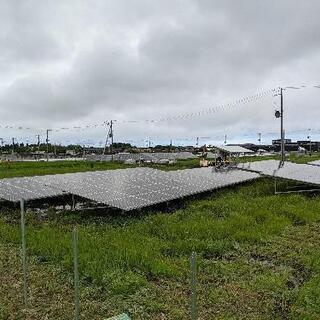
x,y
300,172
126,189
153,157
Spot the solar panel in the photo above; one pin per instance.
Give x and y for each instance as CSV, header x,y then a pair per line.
x,y
292,171
205,179
267,167
152,157
300,172
126,189
28,188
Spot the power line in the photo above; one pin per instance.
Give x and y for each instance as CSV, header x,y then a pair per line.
x,y
183,116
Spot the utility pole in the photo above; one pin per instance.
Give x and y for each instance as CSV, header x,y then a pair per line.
x,y
282,132
47,141
111,135
310,143
279,114
12,145
259,139
38,143
225,139
38,147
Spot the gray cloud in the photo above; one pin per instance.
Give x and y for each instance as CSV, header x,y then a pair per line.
x,y
70,63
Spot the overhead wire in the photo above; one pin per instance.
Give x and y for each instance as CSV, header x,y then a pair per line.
x,y
182,116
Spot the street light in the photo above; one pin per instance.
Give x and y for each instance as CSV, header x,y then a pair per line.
x,y
13,142
310,145
279,114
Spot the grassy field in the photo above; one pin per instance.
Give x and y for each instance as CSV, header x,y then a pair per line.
x,y
258,258
293,157
19,169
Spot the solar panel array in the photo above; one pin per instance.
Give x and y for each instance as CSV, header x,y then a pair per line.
x,y
291,171
126,189
152,157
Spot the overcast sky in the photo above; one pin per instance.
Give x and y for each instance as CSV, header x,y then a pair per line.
x,y
77,63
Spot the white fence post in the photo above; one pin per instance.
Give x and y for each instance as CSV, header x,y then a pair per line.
x,y
193,265
76,272
24,251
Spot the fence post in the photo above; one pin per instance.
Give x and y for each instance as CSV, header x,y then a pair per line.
x,y
24,251
193,264
76,272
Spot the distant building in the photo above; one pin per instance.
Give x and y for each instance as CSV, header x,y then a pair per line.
x,y
278,141
315,145
70,152
188,148
234,150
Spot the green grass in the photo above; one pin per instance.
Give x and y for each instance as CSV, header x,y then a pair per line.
x,y
304,158
178,165
19,169
258,256
293,157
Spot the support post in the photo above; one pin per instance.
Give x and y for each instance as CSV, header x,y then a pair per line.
x,y
193,265
76,273
24,251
